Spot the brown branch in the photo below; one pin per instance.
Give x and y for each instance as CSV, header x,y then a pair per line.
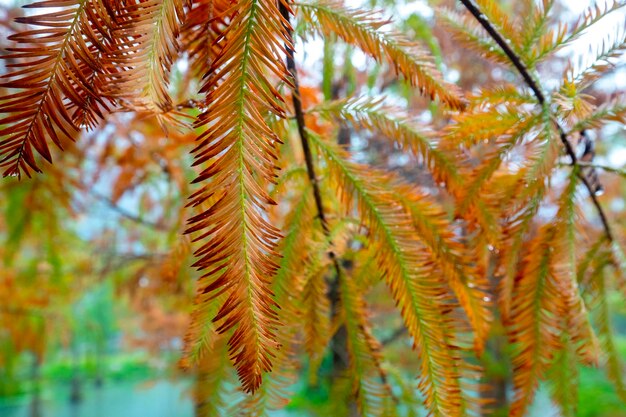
x,y
612,170
125,214
308,157
338,342
28,312
304,139
397,334
536,89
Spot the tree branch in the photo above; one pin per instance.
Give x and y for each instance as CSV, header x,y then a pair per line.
x,y
304,139
25,311
125,214
536,89
338,342
617,171
397,334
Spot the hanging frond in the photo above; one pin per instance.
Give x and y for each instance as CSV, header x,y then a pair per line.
x,y
52,65
288,288
238,152
319,326
577,341
204,23
210,388
513,242
577,325
316,320
295,249
369,380
598,279
507,27
611,111
470,287
535,26
363,29
533,319
557,38
486,124
421,296
547,306
603,60
563,373
466,31
393,123
531,189
149,44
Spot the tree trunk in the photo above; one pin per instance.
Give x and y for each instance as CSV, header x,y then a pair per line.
x,y
35,403
76,395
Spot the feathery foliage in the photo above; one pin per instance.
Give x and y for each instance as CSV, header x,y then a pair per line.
x,y
54,66
328,221
363,29
409,276
237,153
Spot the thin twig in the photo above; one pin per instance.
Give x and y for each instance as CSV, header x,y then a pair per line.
x,y
304,139
333,293
536,89
613,170
397,334
23,311
126,214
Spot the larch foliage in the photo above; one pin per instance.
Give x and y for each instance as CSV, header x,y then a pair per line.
x,y
291,231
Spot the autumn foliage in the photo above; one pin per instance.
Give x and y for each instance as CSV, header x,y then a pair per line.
x,y
292,230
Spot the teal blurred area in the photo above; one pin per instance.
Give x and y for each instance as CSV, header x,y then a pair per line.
x,y
130,399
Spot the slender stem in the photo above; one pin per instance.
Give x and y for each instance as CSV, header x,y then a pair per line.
x,y
304,139
338,342
613,170
395,335
515,60
126,214
536,89
29,312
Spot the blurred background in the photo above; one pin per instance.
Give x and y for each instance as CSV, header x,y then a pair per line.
x,y
95,279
